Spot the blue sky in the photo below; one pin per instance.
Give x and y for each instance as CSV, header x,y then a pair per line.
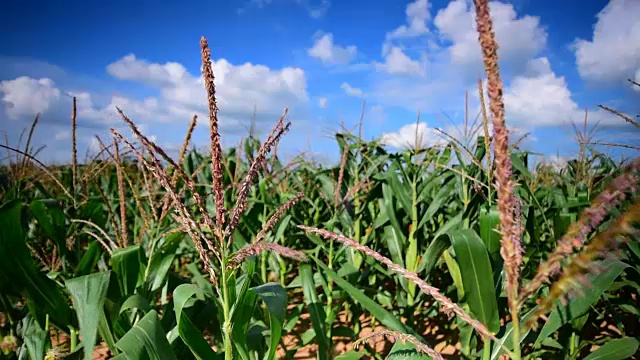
x,y
319,58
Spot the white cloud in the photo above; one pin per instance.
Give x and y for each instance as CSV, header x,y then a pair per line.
x,y
25,97
430,71
398,63
352,91
417,14
520,38
238,87
540,97
132,68
181,95
613,53
414,134
322,102
329,53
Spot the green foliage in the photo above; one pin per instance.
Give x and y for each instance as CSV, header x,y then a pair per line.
x,y
435,216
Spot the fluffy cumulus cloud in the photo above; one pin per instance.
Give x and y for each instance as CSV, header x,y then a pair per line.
x,y
396,62
322,102
520,37
238,87
428,62
417,14
617,31
330,53
25,96
179,94
414,135
540,97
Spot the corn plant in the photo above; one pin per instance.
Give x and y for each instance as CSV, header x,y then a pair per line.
x,y
593,259
468,248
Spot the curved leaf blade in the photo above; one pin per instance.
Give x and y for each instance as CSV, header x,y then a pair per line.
x,y
88,294
146,340
477,276
188,332
617,349
318,316
579,305
275,297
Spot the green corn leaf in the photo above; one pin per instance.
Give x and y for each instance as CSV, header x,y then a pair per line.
x,y
562,222
188,332
275,297
489,226
581,303
146,340
386,318
477,276
16,264
318,316
432,254
441,198
126,264
390,211
406,351
398,190
35,337
617,349
394,244
106,334
454,272
89,259
241,314
507,338
51,219
162,259
88,294
135,301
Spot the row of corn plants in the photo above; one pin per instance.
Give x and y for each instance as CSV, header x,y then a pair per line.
x,y
467,250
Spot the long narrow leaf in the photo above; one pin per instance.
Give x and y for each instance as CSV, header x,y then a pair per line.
x,y
617,349
88,294
477,277
188,332
146,340
580,304
16,264
387,319
318,316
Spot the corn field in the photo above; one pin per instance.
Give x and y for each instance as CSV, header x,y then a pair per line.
x,y
463,251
